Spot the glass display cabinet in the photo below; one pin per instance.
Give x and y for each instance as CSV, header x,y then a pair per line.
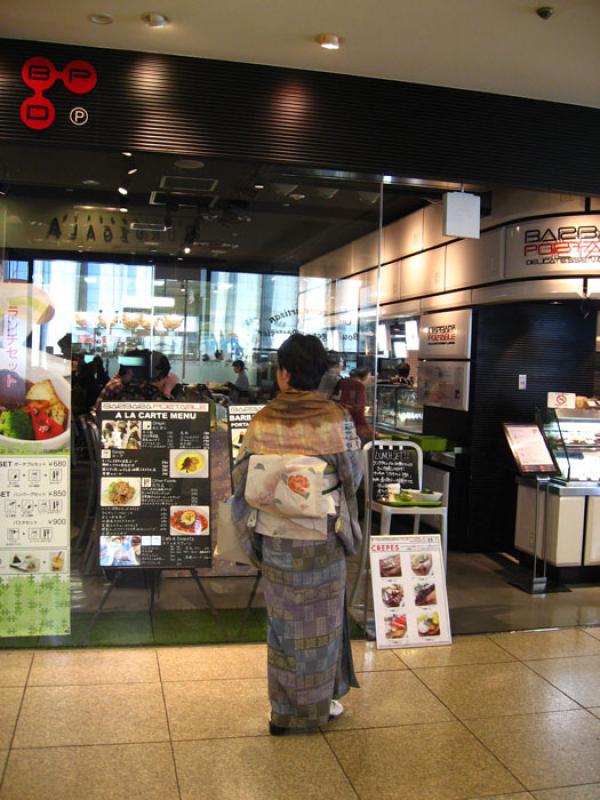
x,y
398,409
571,506
574,437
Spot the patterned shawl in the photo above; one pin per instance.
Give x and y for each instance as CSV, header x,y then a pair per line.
x,y
300,422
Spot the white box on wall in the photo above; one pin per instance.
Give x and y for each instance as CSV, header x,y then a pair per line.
x,y
461,217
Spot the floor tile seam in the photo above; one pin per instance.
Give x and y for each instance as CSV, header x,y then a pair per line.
x,y
216,680
14,732
339,763
172,749
549,682
528,661
84,685
26,749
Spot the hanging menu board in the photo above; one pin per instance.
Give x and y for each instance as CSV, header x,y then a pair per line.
x,y
239,418
155,485
409,591
392,464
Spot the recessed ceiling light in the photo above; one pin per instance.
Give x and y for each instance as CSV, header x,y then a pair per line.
x,y
123,210
330,41
189,163
132,171
100,19
155,20
187,250
90,182
297,196
259,186
123,190
126,153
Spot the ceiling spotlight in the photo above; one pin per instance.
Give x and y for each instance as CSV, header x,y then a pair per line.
x,y
259,186
100,19
132,171
155,20
187,250
544,12
330,41
123,190
126,153
123,210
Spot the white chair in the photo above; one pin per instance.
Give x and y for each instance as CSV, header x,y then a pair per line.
x,y
416,512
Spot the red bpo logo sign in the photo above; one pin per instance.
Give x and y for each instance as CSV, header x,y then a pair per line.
x,y
40,74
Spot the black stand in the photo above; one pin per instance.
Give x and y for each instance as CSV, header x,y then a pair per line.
x,y
154,587
537,584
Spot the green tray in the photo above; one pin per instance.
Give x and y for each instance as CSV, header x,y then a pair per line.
x,y
409,503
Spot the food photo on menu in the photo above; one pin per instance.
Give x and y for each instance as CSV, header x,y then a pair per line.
x,y
120,551
121,435
428,624
189,520
395,626
34,410
392,595
24,563
421,563
119,492
390,567
188,464
425,594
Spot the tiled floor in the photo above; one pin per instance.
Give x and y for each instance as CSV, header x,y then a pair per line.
x,y
493,717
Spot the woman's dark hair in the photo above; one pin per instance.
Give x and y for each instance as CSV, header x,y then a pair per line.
x,y
160,365
305,358
360,373
239,363
403,369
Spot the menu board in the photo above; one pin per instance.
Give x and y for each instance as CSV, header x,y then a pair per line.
x,y
35,439
529,449
444,384
409,591
155,485
239,418
392,464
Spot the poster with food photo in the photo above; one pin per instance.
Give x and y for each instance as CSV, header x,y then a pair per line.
x,y
409,591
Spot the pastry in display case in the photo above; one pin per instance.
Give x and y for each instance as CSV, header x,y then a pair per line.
x,y
398,409
574,437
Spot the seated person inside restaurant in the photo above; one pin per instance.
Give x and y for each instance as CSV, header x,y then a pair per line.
x,y
240,390
142,375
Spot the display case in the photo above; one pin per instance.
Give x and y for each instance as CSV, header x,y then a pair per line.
x,y
398,409
574,438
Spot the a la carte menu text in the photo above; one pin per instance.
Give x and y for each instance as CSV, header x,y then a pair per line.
x,y
155,485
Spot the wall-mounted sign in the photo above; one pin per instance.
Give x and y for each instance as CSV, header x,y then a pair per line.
x,y
561,400
445,334
444,384
409,591
35,437
551,245
40,74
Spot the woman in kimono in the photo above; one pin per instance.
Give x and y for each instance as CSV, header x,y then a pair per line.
x,y
309,655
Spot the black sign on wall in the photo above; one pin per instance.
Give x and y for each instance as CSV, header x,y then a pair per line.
x,y
392,464
155,485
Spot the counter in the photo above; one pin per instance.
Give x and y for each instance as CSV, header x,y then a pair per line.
x,y
570,519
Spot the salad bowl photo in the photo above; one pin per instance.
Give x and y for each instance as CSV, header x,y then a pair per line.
x,y
34,410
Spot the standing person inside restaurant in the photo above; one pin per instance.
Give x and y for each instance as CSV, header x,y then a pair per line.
x,y
353,397
301,449
329,383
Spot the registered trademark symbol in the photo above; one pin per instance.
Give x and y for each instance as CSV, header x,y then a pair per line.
x,y
78,115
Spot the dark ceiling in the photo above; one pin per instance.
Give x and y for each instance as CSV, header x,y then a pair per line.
x,y
216,209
